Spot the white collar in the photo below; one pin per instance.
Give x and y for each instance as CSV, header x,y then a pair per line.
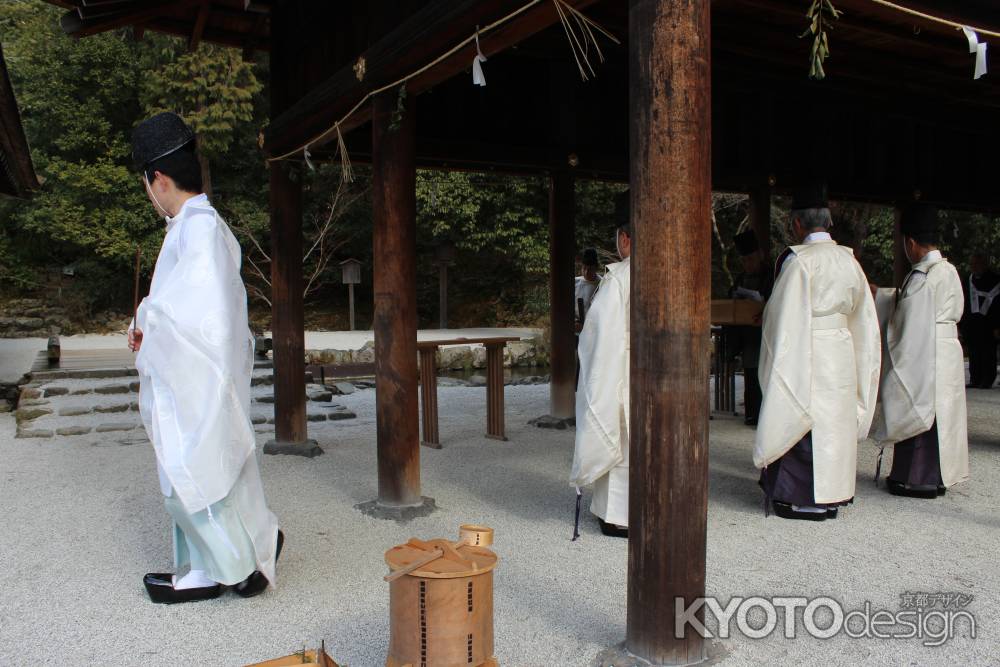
x,y
932,257
193,201
817,236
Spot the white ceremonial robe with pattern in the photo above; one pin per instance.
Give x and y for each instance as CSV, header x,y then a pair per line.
x,y
923,369
195,365
819,365
602,398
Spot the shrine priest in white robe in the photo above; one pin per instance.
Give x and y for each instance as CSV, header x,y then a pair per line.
x,y
819,369
922,392
602,394
195,359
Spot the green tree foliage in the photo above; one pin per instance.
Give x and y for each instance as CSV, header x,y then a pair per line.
x,y
212,88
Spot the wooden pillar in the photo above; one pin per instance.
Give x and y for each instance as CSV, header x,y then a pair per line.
x,y
562,242
287,327
760,219
900,265
442,294
670,147
395,323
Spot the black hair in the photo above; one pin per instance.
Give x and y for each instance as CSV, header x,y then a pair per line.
x,y
924,238
182,166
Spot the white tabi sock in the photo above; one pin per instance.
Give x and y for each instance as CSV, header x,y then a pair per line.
x,y
193,579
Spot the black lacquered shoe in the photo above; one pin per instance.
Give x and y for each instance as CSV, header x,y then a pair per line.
x,y
256,583
900,489
785,511
832,513
160,587
611,530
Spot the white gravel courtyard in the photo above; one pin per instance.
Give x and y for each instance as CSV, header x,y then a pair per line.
x,y
82,519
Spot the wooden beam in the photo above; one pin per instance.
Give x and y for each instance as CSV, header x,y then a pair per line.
x,y
424,36
562,245
394,215
670,144
74,25
760,219
199,25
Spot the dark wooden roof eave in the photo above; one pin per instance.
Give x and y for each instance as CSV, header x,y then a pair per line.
x,y
428,33
17,173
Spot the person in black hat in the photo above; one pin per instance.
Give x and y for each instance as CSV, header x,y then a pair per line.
x,y
981,321
195,359
921,391
754,283
819,369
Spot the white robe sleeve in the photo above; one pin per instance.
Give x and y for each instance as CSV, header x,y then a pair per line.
x,y
197,356
785,369
907,386
863,324
602,390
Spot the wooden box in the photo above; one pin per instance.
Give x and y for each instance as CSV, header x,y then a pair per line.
x,y
310,658
441,612
736,311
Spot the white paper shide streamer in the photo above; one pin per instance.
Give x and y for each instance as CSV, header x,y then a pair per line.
x,y
478,78
978,48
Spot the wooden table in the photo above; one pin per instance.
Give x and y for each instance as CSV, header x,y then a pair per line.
x,y
427,350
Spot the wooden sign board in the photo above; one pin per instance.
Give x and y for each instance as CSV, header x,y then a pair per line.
x,y
736,311
351,269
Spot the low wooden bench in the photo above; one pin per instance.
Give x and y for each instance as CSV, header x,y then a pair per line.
x,y
427,350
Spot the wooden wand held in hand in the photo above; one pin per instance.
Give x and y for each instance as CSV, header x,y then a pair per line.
x,y
135,301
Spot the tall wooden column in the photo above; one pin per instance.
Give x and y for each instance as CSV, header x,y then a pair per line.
x,y
562,244
287,326
670,135
760,219
395,323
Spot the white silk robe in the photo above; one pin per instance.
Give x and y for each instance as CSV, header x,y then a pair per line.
x,y
819,365
195,365
923,370
602,398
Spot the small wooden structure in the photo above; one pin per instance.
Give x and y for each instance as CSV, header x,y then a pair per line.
x,y
351,274
494,386
441,601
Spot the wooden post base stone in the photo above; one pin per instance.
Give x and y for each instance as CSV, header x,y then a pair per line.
x,y
558,423
307,448
398,513
619,656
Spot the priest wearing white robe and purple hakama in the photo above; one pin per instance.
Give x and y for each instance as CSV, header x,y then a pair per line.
x,y
600,457
195,359
922,391
819,369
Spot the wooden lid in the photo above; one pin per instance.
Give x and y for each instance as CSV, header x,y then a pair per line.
x,y
458,560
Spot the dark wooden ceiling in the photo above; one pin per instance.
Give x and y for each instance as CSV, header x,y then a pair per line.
x,y
898,113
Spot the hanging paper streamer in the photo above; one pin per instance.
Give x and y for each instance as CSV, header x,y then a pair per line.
x,y
978,48
307,155
478,78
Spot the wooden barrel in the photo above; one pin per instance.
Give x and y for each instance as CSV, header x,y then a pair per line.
x,y
441,613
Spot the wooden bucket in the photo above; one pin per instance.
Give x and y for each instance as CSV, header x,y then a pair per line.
x,y
441,613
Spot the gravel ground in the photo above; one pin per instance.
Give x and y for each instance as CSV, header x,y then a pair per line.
x,y
82,520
